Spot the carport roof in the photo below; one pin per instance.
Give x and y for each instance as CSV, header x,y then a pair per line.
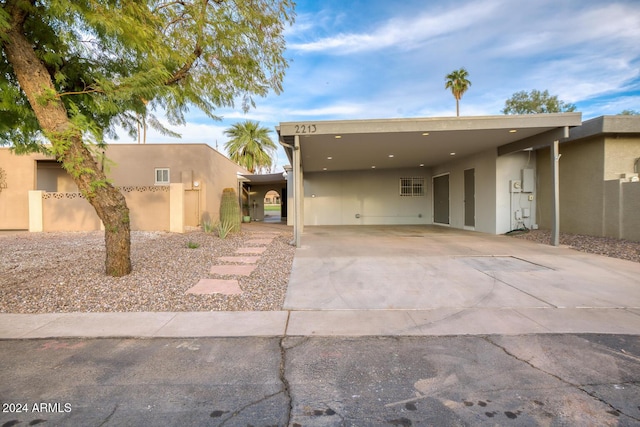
x,y
407,143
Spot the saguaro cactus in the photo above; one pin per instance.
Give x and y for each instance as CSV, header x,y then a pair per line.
x,y
230,210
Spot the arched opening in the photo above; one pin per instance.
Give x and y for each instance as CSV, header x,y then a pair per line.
x,y
272,206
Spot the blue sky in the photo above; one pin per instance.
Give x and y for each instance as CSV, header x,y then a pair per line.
x,y
380,59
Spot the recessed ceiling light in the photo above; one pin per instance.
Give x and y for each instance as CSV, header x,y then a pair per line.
x,y
338,136
373,167
513,131
391,156
421,165
425,133
324,169
329,158
452,154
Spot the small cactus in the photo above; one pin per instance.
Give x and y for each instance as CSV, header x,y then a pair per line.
x,y
230,210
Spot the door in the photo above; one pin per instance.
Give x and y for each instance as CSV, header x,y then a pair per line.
x,y
192,208
441,199
470,198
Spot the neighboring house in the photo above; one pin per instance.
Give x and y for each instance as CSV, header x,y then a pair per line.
x,y
476,173
167,187
599,188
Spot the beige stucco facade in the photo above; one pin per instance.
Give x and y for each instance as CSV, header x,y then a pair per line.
x,y
597,189
200,171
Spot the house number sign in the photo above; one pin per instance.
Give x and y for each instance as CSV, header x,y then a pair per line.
x,y
306,129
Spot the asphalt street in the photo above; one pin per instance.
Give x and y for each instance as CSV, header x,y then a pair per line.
x,y
549,380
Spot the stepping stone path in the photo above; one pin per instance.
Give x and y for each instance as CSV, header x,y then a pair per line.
x,y
240,265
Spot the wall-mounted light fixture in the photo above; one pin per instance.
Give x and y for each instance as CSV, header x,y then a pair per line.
x,y
196,184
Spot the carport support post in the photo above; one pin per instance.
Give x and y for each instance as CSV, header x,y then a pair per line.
x,y
555,199
297,192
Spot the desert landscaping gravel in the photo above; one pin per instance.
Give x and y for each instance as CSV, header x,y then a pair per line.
x,y
615,248
64,272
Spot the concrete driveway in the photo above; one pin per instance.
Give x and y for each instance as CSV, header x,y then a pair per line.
x,y
444,272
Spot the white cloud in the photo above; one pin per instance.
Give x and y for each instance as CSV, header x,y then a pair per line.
x,y
402,33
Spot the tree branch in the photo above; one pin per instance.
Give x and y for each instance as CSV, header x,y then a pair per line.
x,y
184,71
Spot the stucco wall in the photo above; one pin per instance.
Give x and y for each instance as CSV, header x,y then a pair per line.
x,y
631,211
14,200
335,198
134,165
128,165
68,212
485,189
581,171
148,210
622,204
619,155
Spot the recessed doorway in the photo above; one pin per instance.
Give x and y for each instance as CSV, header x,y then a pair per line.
x,y
470,198
441,199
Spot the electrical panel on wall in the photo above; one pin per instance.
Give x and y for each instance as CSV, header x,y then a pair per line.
x,y
527,181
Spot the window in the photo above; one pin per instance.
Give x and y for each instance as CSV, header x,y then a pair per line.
x,y
162,176
412,187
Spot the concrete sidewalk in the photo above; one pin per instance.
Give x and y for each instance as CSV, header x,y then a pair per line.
x,y
401,281
436,322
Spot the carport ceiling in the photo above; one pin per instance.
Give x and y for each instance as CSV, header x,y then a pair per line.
x,y
409,143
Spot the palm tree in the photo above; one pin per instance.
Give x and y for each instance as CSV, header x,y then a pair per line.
x,y
250,145
458,83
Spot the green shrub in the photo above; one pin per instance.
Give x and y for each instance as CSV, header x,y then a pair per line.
x,y
193,245
207,226
223,229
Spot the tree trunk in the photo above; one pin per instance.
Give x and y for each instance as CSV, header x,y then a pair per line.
x,y
69,148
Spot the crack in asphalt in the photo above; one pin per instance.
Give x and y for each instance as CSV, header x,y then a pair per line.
x,y
286,390
564,381
106,420
283,378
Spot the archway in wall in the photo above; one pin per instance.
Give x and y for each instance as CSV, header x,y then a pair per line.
x,y
272,206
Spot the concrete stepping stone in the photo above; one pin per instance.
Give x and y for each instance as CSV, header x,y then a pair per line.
x,y
232,270
240,259
216,286
254,250
259,241
263,235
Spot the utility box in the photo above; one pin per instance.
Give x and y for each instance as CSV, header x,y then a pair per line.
x,y
515,186
527,181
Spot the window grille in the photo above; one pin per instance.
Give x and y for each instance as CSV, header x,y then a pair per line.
x,y
162,176
412,187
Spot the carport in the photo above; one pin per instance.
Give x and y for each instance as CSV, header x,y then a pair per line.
x,y
358,149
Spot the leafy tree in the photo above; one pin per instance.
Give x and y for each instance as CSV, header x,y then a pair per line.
x,y
535,102
458,82
71,71
250,145
630,113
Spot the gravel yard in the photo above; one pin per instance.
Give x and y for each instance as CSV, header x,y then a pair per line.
x,y
64,272
615,248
